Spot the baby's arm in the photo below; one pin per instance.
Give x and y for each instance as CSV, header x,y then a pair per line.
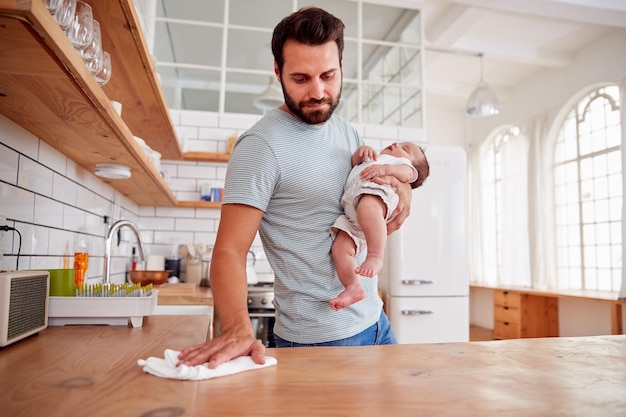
x,y
402,173
364,153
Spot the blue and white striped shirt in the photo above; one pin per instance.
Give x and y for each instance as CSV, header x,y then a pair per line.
x,y
295,173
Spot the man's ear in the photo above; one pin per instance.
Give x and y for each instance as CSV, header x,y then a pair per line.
x,y
277,72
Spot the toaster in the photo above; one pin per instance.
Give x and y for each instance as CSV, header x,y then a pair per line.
x,y
23,304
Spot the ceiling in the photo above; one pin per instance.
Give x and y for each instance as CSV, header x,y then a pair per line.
x,y
519,38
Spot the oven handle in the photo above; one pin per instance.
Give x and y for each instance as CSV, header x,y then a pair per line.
x,y
253,315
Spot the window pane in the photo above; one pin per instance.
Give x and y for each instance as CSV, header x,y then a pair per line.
x,y
585,144
186,34
614,162
588,212
258,13
588,158
258,45
197,11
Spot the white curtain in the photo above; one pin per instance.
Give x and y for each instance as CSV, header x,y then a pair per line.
x,y
475,203
515,257
622,98
542,232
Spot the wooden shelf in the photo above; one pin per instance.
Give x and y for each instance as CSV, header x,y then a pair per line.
x,y
200,204
206,156
46,89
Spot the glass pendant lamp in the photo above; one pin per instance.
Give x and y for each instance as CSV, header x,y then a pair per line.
x,y
271,98
483,101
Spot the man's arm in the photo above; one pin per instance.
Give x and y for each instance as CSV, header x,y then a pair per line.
x,y
238,226
403,209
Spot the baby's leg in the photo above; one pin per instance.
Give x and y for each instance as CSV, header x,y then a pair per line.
x,y
371,213
343,251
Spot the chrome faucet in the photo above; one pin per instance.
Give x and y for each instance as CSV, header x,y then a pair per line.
x,y
109,242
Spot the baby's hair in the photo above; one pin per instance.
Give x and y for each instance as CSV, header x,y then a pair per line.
x,y
423,169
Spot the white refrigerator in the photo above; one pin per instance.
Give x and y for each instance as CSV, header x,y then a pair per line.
x,y
428,279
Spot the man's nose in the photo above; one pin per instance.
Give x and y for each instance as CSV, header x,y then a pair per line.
x,y
316,89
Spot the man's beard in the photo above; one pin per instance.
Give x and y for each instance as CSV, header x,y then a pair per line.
x,y
314,117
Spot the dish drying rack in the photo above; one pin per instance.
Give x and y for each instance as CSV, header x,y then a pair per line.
x,y
109,304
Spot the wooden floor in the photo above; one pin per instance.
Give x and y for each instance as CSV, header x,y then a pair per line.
x,y
480,334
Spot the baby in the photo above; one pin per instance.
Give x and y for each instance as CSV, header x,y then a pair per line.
x,y
367,206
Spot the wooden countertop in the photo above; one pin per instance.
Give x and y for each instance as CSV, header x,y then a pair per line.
x,y
611,296
92,371
184,294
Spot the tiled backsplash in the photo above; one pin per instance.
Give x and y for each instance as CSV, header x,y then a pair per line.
x,y
53,202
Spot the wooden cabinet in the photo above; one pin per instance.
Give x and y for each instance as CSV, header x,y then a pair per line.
x,y
46,88
517,315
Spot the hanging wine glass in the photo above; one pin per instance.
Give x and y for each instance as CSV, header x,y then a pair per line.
x,y
53,6
94,48
80,31
65,14
104,75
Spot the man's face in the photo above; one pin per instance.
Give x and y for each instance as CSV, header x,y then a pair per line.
x,y
311,80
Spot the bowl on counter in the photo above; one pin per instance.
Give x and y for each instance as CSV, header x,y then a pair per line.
x,y
149,277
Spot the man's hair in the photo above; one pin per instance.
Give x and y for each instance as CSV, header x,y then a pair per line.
x,y
310,26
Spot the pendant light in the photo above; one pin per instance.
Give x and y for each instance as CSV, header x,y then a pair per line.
x,y
483,101
271,98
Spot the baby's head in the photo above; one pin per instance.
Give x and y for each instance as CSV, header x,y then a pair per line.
x,y
413,153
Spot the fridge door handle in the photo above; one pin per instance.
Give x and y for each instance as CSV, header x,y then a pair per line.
x,y
416,281
416,312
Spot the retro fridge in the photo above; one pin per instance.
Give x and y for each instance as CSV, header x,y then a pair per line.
x,y
428,277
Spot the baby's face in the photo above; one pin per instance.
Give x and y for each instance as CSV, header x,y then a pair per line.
x,y
407,150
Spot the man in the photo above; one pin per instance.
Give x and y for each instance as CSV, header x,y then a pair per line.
x,y
285,179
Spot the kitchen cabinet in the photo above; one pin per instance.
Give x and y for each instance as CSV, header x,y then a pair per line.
x,y
520,312
46,89
517,315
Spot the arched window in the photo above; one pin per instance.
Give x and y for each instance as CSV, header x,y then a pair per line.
x,y
588,194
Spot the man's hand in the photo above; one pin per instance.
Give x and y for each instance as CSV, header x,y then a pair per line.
x,y
222,349
403,210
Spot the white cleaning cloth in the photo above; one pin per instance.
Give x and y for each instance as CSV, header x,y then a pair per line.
x,y
166,367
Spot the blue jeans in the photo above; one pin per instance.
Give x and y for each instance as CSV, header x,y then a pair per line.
x,y
379,333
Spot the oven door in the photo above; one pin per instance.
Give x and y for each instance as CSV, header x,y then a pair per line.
x,y
263,326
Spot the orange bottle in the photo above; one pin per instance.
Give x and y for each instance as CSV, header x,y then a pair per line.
x,y
81,263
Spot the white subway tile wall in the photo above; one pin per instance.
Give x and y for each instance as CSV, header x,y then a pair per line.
x,y
52,201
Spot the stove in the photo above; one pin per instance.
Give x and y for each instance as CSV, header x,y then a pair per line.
x,y
261,311
261,297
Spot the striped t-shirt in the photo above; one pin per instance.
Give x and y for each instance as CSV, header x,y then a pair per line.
x,y
295,173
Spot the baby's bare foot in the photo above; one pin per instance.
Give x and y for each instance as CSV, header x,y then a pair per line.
x,y
348,297
371,266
